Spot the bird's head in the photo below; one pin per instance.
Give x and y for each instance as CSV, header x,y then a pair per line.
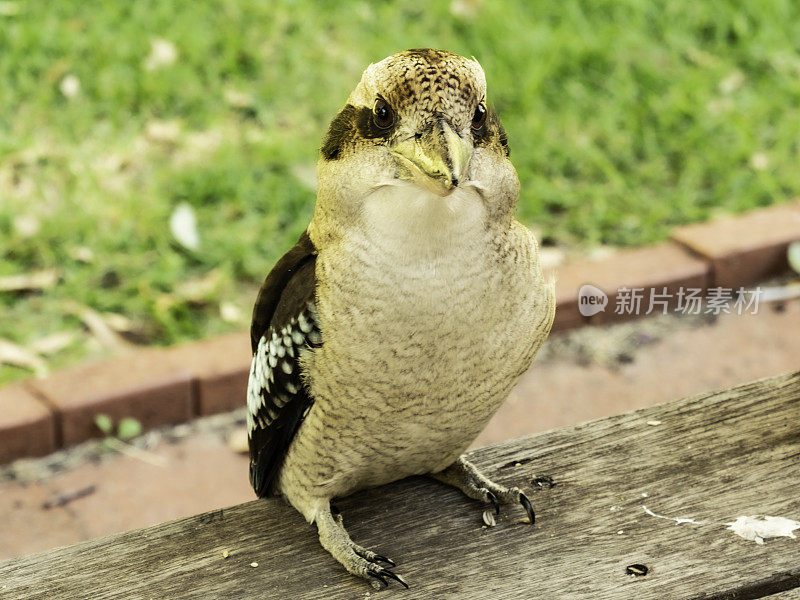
x,y
417,119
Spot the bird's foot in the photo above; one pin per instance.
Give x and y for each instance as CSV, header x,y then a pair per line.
x,y
463,475
358,560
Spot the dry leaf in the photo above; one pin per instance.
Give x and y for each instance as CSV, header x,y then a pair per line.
x,y
759,161
38,280
83,254
780,293
135,452
238,99
237,440
231,313
183,225
70,86
793,256
163,132
162,54
26,226
98,327
13,354
200,290
466,9
119,322
53,343
732,82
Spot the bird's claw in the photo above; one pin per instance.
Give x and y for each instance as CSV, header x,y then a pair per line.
x,y
493,499
380,573
526,504
371,556
388,561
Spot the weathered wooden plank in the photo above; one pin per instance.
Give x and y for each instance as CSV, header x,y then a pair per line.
x,y
712,458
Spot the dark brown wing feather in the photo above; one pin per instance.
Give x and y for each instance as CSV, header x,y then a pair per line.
x,y
284,326
272,289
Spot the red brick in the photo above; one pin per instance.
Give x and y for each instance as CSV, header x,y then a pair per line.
x,y
27,426
143,385
745,249
649,267
220,367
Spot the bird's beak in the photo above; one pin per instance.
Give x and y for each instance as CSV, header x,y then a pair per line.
x,y
436,158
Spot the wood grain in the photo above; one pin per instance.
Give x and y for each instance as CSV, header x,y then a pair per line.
x,y
712,458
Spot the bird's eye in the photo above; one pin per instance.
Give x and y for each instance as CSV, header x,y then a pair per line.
x,y
479,118
382,114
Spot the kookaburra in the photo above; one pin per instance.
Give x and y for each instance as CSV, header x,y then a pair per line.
x,y
387,337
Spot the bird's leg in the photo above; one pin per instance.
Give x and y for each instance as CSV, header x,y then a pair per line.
x,y
463,475
356,559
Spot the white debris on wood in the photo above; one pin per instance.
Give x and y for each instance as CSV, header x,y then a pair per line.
x,y
756,529
677,520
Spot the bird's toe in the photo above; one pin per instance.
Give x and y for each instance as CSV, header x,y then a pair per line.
x,y
371,556
490,497
379,573
526,504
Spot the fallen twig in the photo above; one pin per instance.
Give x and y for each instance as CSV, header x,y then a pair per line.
x,y
63,498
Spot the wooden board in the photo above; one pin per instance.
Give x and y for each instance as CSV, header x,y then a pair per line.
x,y
711,458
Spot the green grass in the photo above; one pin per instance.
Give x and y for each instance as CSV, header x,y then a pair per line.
x,y
625,119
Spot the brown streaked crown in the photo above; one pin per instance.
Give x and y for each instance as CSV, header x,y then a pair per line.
x,y
419,85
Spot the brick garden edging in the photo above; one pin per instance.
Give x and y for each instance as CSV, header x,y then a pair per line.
x,y
173,385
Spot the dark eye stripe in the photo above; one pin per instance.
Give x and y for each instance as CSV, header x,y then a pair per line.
x,y
350,124
340,132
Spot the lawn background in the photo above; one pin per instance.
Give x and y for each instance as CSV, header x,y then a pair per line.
x,y
625,118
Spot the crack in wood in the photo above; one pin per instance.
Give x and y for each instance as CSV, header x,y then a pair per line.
x,y
774,584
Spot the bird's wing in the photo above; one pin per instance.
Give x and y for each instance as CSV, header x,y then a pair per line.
x,y
283,326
